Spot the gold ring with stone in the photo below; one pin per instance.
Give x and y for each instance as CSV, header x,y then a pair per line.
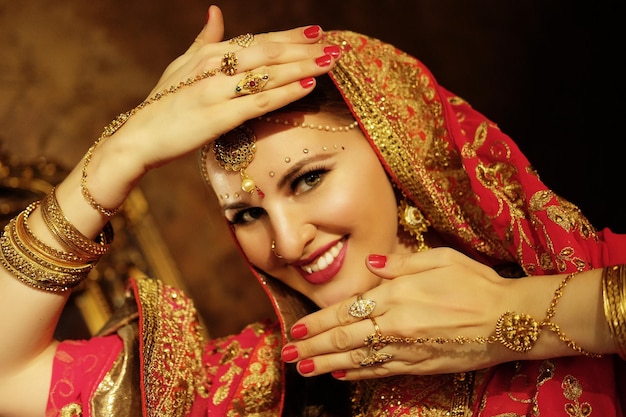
x,y
362,307
251,83
242,40
229,63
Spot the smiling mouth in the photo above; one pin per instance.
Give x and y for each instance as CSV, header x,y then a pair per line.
x,y
325,260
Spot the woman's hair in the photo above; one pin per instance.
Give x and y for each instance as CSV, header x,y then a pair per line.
x,y
325,98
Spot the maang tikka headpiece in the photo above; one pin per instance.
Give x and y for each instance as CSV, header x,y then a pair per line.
x,y
234,151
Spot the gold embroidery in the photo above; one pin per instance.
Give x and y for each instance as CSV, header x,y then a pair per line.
x,y
71,410
572,390
172,347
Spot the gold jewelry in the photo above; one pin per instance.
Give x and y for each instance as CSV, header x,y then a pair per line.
x,y
361,308
517,332
67,235
375,357
234,151
251,83
229,63
614,300
119,121
274,250
29,267
325,128
414,222
242,40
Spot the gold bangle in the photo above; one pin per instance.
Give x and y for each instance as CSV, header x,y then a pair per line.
x,y
614,300
67,235
30,272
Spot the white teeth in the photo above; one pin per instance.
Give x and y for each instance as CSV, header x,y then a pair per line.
x,y
326,259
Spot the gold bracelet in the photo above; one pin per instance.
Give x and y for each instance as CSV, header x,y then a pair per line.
x,y
32,273
67,235
121,119
516,331
29,237
27,250
614,300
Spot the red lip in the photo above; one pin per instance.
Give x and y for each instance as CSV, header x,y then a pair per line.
x,y
327,274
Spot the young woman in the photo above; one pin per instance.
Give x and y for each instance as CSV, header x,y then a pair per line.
x,y
384,217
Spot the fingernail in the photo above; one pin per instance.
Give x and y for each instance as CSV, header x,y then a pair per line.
x,y
338,374
307,82
333,50
377,261
299,330
208,15
312,32
289,353
306,366
324,60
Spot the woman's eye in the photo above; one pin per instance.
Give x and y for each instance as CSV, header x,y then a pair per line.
x,y
247,215
307,181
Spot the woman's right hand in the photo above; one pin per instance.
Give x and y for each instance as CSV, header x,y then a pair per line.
x,y
182,122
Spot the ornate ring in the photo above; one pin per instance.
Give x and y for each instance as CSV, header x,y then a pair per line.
x,y
242,40
362,307
251,83
376,358
229,63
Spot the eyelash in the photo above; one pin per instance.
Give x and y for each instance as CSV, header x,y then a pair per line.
x,y
238,218
319,170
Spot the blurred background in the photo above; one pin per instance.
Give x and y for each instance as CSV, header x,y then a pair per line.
x,y
548,72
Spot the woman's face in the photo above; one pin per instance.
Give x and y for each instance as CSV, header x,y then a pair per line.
x,y
325,200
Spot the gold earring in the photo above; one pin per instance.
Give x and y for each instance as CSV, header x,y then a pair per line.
x,y
274,250
414,222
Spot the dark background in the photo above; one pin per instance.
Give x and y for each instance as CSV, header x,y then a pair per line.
x,y
548,72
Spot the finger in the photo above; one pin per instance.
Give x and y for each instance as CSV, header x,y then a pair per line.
x,y
395,265
304,34
212,32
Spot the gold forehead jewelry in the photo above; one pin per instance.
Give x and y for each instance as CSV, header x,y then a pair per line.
x,y
242,40
325,128
234,151
251,83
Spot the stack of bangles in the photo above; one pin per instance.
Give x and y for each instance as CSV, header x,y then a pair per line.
x,y
515,331
42,266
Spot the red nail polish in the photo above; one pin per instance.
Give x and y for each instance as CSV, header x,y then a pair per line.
x,y
377,261
307,82
324,60
333,51
299,331
312,32
289,353
306,366
339,374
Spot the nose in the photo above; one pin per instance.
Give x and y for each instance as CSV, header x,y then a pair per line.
x,y
292,231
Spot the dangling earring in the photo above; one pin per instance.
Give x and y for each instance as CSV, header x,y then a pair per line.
x,y
414,222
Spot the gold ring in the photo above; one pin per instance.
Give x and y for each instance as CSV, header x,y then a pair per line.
x,y
376,358
251,83
229,63
362,307
242,40
274,250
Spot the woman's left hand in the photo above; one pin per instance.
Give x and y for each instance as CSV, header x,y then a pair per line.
x,y
440,293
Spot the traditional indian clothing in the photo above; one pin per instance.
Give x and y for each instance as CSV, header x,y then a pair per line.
x,y
476,189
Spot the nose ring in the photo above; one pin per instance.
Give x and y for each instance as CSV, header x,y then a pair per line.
x,y
274,250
